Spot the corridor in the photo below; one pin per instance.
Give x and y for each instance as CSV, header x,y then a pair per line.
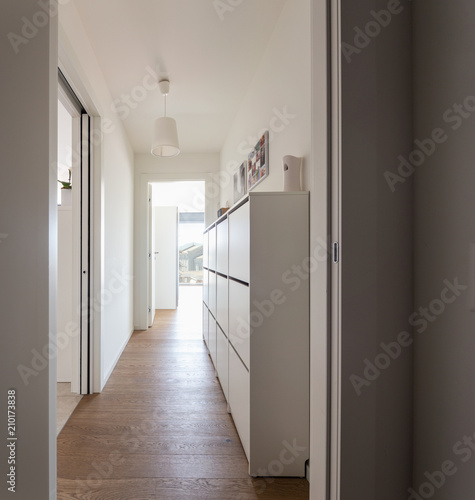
x,y
160,429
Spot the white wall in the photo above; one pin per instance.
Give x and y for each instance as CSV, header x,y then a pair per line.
x,y
277,100
200,166
151,169
28,243
444,230
114,158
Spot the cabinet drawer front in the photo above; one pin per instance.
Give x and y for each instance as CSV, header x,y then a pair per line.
x,y
205,249
222,361
239,328
212,346
222,303
205,325
205,287
212,249
222,247
239,240
239,398
212,293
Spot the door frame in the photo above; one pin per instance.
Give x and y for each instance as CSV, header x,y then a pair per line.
x,y
324,230
151,259
336,232
86,316
93,382
142,224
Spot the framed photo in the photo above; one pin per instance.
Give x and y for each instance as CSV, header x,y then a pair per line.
x,y
239,183
258,162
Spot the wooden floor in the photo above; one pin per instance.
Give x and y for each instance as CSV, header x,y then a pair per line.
x,y
160,430
66,402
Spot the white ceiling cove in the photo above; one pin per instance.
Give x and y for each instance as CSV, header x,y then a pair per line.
x,y
209,49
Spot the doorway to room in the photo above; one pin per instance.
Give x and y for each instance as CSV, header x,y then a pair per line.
x,y
75,278
68,353
176,225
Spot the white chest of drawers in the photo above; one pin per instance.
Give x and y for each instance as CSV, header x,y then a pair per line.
x,y
256,326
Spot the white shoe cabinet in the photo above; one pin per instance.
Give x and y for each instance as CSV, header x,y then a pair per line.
x,y
256,325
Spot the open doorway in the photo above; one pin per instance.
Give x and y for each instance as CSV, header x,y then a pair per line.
x,y
176,246
68,356
75,277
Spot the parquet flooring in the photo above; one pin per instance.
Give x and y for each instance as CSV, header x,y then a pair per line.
x,y
160,429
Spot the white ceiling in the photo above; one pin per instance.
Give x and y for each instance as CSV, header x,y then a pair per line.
x,y
210,58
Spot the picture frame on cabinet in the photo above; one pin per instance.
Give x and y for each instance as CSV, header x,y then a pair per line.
x,y
258,162
239,183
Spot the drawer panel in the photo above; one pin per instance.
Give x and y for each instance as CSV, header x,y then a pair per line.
x,y
239,319
205,287
212,292
222,361
239,398
212,249
205,324
222,302
212,346
205,249
239,242
222,247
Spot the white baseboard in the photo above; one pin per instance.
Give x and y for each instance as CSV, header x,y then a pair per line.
x,y
109,373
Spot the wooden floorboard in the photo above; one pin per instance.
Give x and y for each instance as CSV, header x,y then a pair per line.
x,y
160,430
107,489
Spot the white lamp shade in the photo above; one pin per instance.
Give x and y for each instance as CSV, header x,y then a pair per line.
x,y
165,138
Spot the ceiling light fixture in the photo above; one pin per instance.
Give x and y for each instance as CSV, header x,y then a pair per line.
x,y
165,136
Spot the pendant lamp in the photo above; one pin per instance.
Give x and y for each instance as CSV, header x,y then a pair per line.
x,y
165,136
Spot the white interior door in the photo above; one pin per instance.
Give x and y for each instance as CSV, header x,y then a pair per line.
x,y
166,257
151,259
